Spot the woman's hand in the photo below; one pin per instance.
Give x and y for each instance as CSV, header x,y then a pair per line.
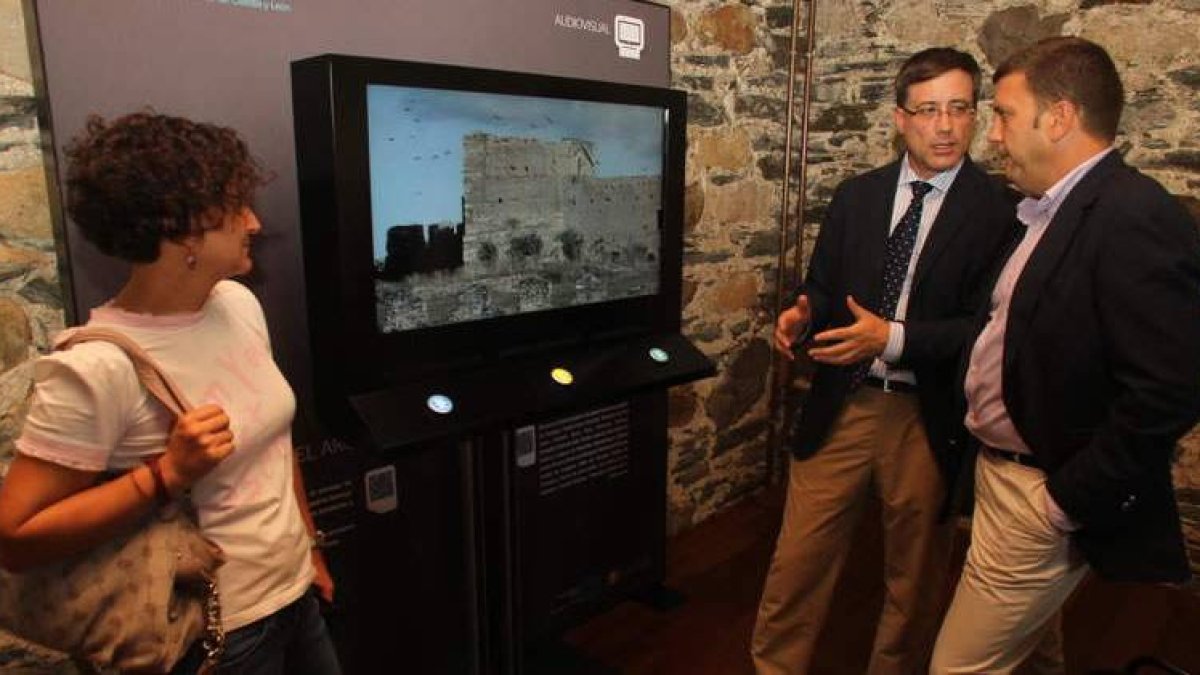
x,y
324,580
200,440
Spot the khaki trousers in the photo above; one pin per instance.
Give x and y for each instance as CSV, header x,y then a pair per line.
x,y
878,442
1019,571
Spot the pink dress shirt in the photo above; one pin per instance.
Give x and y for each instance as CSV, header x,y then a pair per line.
x,y
987,416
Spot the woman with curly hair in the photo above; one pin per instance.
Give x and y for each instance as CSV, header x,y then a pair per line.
x,y
173,198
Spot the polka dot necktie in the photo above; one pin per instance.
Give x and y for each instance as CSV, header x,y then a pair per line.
x,y
897,254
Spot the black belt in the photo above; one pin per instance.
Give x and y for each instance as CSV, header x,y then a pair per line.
x,y
891,385
1022,458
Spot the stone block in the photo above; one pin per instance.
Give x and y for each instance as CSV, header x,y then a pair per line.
x,y
716,61
726,149
735,293
846,117
921,22
706,257
16,385
702,113
741,386
730,27
761,107
1188,77
695,83
723,178
840,22
16,338
42,288
706,332
679,26
742,202
19,138
781,57
689,291
24,205
762,243
1008,30
770,167
1147,111
1143,45
1088,4
729,439
693,205
1184,159
780,17
681,407
17,262
14,49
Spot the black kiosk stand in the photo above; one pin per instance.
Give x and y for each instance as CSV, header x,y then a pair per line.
x,y
493,264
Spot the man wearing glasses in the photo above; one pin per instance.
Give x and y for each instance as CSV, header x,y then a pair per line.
x,y
901,264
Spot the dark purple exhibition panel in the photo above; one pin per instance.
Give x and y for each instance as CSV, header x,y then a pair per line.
x,y
227,61
450,547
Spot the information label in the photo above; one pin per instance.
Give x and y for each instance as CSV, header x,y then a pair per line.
x,y
589,446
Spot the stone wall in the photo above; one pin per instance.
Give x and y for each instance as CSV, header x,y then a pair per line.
x,y
31,304
731,57
30,296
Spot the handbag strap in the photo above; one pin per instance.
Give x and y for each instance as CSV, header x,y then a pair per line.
x,y
154,378
162,387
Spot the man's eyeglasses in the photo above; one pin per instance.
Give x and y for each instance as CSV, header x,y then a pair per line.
x,y
930,111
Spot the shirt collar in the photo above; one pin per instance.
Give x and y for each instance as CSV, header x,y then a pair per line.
x,y
940,181
1036,210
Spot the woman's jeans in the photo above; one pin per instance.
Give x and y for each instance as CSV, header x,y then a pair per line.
x,y
293,640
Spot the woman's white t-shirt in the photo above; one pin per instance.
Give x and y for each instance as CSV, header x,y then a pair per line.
x,y
90,412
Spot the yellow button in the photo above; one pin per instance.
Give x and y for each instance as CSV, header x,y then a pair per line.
x,y
562,376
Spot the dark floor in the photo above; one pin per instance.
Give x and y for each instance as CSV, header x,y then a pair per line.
x,y
719,567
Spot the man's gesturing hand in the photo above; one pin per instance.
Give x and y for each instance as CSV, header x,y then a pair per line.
x,y
864,339
791,324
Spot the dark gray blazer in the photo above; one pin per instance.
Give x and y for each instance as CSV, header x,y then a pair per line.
x,y
1102,365
950,283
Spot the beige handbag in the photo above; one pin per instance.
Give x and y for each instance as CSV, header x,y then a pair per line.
x,y
138,602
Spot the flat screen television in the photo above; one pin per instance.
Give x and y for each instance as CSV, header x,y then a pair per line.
x,y
457,216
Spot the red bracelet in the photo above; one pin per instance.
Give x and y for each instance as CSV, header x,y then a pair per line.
x,y
160,484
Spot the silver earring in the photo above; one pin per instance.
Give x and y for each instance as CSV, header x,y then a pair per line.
x,y
190,261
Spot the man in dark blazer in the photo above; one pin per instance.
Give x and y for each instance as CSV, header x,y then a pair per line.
x,y
900,267
1087,369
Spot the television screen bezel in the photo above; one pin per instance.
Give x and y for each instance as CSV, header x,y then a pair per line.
x,y
330,102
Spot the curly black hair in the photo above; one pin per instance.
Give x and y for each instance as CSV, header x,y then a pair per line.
x,y
145,177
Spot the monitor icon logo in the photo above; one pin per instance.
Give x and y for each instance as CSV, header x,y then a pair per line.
x,y
630,36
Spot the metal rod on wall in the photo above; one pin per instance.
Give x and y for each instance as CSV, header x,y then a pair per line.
x,y
779,368
802,192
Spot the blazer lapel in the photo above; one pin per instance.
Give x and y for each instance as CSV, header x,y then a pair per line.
x,y
1050,251
878,222
949,220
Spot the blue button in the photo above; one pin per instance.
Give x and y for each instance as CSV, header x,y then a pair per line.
x,y
659,355
440,404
